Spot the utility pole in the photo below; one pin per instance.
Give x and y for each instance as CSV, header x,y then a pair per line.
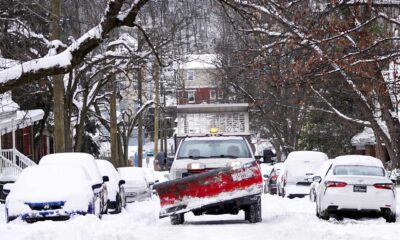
x,y
156,75
58,84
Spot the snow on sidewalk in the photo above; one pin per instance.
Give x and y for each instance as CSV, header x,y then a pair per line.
x,y
282,219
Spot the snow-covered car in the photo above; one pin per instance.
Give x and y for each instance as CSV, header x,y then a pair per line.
x,y
271,182
320,174
356,184
300,167
87,162
51,193
115,186
136,186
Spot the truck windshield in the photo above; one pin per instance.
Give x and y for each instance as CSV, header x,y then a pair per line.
x,y
197,149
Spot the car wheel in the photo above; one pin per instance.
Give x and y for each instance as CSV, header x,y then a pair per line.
x,y
390,218
322,215
253,212
177,219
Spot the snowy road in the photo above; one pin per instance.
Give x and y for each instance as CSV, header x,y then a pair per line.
x,y
282,219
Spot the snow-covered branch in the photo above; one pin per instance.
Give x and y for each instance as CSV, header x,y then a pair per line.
x,y
338,113
63,62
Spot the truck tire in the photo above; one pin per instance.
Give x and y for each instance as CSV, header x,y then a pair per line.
x,y
390,218
177,219
253,212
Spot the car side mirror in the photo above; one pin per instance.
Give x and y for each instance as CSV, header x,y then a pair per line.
x,y
157,181
95,186
121,182
265,176
258,158
7,188
317,179
106,179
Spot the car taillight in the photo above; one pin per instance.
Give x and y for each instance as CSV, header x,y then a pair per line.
x,y
389,186
274,177
330,184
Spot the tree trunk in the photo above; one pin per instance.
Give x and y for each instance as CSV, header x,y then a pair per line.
x,y
113,126
140,119
58,84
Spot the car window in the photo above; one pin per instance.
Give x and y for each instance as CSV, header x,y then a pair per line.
x,y
214,148
358,170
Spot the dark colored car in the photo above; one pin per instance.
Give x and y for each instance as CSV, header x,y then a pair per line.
x,y
271,186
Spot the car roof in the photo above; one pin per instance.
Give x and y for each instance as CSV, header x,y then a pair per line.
x,y
306,155
106,168
81,159
357,160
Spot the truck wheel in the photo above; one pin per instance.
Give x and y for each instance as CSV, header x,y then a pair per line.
x,y
177,219
390,218
253,212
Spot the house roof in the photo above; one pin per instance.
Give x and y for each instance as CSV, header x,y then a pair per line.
x,y
199,61
21,119
366,137
12,118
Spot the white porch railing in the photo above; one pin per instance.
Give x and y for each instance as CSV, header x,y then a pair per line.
x,y
12,162
8,170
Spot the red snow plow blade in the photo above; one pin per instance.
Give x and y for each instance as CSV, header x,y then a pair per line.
x,y
215,186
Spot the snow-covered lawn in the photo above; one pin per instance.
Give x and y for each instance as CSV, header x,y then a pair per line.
x,y
282,219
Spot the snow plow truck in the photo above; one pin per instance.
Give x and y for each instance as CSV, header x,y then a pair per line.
x,y
214,170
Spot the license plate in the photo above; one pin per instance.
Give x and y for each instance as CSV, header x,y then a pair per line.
x,y
360,188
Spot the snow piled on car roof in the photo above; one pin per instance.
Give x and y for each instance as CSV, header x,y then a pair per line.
x,y
358,160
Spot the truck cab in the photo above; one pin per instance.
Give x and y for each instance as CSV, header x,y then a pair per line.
x,y
214,169
200,154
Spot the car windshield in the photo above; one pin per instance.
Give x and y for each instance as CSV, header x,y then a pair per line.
x,y
359,170
218,148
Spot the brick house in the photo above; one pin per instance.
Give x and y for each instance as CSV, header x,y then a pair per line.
x,y
197,80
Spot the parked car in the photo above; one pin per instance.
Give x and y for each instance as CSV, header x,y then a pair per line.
x,y
115,186
51,193
356,184
266,171
300,167
321,172
87,162
136,186
271,182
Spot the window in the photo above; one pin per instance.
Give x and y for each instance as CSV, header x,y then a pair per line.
x,y
190,75
220,94
213,95
359,170
191,96
232,148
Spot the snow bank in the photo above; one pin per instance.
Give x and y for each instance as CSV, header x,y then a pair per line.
x,y
283,219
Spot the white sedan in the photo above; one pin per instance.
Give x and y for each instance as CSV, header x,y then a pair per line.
x,y
356,184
